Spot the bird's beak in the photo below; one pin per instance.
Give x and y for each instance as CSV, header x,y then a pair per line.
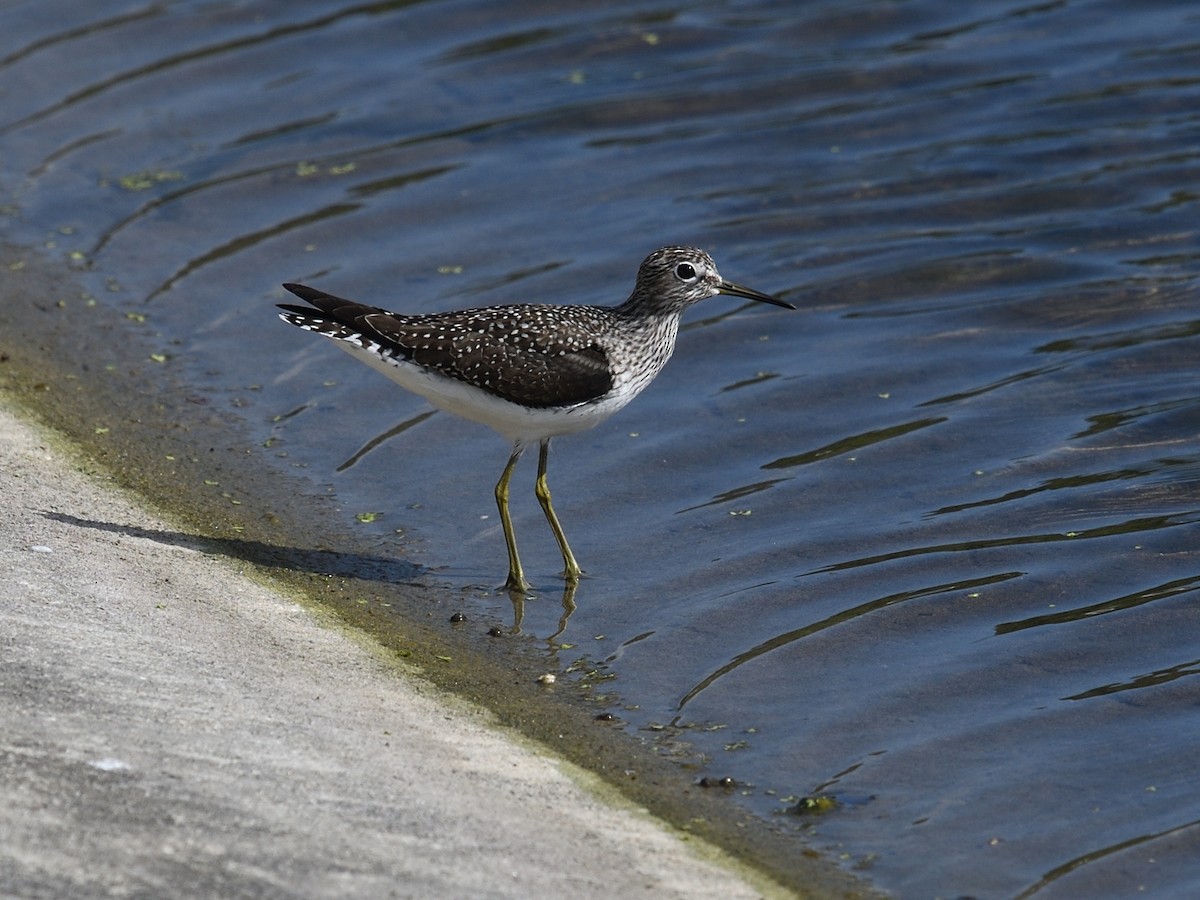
x,y
737,290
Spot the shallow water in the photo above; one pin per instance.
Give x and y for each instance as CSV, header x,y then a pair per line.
x,y
928,545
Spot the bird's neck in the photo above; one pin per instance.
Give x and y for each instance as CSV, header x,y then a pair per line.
x,y
647,340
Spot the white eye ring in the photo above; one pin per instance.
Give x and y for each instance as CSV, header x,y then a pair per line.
x,y
686,272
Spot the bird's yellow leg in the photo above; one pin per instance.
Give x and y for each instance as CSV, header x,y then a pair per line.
x,y
571,570
516,576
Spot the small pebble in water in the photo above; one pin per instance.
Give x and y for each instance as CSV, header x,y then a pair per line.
x,y
814,806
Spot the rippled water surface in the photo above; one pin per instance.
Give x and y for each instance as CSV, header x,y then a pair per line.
x,y
928,546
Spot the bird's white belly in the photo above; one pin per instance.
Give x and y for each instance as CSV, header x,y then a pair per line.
x,y
511,420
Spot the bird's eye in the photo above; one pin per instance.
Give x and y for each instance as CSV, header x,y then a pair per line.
x,y
685,272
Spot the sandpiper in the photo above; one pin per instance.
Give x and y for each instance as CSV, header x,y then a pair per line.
x,y
531,372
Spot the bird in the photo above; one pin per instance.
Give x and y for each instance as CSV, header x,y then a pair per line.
x,y
531,372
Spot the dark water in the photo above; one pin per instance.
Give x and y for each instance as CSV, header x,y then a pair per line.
x,y
929,545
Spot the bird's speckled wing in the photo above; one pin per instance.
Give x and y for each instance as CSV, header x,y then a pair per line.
x,y
517,353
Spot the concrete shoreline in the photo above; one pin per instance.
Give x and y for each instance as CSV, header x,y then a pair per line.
x,y
173,727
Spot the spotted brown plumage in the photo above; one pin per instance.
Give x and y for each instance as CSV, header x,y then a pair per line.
x,y
518,353
529,371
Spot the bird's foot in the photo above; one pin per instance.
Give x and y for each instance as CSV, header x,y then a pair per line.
x,y
516,583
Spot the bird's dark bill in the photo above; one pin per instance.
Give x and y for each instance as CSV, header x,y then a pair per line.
x,y
737,290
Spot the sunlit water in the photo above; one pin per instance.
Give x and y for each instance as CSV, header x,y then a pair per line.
x,y
928,546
